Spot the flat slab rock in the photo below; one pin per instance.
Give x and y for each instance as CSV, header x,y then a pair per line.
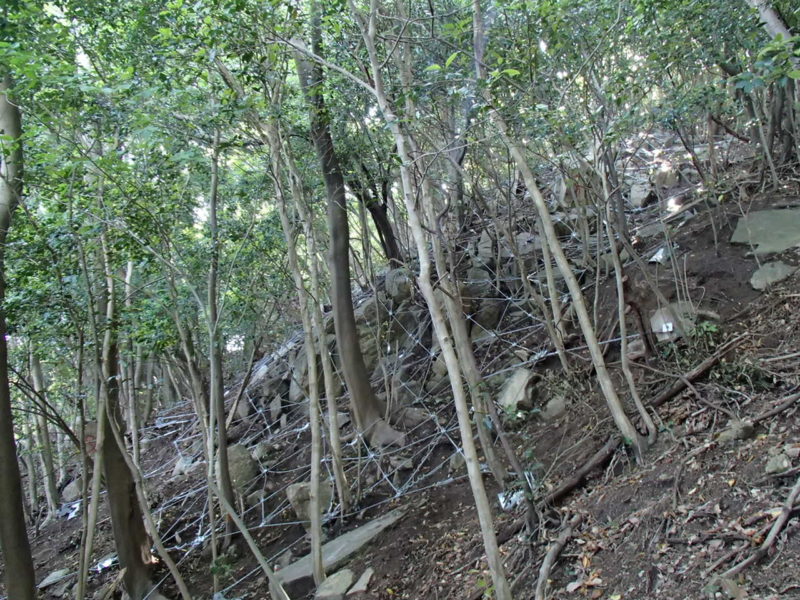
x,y
338,550
769,231
335,586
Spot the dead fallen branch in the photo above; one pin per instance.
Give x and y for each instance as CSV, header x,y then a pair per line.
x,y
552,556
598,458
787,402
680,383
777,527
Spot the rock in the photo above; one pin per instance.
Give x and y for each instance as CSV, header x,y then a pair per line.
x,y
299,495
457,464
398,285
183,466
554,408
527,244
778,464
275,409
243,468
640,193
342,419
739,430
401,463
651,230
72,491
244,408
335,586
636,350
372,310
673,321
361,586
515,394
477,285
256,498
262,450
666,176
54,578
338,550
768,231
487,316
770,273
486,248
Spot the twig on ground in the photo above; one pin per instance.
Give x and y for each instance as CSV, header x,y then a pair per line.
x,y
777,527
552,555
787,402
597,459
679,384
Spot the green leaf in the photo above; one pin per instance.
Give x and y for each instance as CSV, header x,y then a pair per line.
x,y
450,59
511,72
433,67
795,74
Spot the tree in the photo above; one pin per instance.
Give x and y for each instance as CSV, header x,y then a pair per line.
x,y
367,409
13,534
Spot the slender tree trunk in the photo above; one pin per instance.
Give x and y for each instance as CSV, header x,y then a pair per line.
x,y
368,29
311,359
13,534
131,369
45,443
367,410
217,389
551,240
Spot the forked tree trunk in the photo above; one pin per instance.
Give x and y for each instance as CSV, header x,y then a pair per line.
x,y
13,534
368,27
130,537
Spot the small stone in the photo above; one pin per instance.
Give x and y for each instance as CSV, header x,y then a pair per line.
x,y
54,578
554,408
778,464
256,498
73,490
739,430
299,495
243,469
640,193
516,392
398,285
183,466
335,586
457,464
771,273
275,409
361,586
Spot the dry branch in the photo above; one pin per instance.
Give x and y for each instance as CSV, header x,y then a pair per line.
x,y
552,555
777,527
680,383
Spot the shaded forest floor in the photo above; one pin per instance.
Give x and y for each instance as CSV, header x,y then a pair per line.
x,y
702,500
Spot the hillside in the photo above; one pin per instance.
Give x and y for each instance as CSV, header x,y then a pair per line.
x,y
704,500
